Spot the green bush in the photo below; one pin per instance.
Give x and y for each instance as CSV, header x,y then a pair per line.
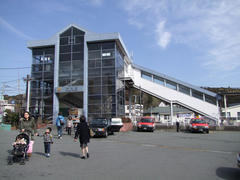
x,y
11,118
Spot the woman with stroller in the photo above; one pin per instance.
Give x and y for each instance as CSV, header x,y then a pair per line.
x,y
27,125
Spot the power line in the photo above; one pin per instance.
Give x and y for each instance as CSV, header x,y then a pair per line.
x,y
9,68
10,81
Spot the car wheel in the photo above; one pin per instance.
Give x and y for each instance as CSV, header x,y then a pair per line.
x,y
207,131
106,134
138,129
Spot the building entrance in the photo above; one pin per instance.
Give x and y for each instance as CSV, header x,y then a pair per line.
x,y
68,101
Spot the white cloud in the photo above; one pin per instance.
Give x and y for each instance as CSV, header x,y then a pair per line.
x,y
136,23
163,37
223,27
211,26
8,26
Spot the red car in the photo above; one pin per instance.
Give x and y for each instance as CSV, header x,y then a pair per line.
x,y
198,125
146,124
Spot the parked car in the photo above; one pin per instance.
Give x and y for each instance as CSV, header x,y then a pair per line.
x,y
198,125
116,124
100,127
146,124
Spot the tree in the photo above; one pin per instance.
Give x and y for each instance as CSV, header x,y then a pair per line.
x,y
11,118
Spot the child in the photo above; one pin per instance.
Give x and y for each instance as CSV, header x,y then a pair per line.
x,y
69,125
19,141
47,137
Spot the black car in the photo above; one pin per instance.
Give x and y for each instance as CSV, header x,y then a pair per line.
x,y
238,159
100,127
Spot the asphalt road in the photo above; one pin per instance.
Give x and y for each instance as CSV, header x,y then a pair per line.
x,y
130,155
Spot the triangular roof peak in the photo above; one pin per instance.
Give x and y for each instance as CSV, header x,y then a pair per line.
x,y
72,25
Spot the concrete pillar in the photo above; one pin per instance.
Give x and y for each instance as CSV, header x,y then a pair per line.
x,y
171,110
225,105
130,104
55,86
85,79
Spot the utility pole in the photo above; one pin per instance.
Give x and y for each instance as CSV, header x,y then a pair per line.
x,y
28,80
140,99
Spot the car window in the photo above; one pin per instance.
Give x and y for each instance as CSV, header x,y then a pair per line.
x,y
145,120
99,121
198,121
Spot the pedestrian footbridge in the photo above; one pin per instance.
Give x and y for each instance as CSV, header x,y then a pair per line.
x,y
174,91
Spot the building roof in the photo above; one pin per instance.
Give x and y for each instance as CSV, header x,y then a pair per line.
x,y
90,37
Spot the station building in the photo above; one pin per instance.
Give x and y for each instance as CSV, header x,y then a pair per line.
x,y
94,72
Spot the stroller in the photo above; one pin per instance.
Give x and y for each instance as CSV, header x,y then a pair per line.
x,y
20,147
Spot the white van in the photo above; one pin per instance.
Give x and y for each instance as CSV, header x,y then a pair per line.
x,y
116,124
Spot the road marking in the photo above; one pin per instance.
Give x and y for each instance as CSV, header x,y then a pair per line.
x,y
223,152
149,145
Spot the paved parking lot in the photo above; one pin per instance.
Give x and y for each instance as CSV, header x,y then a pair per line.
x,y
130,155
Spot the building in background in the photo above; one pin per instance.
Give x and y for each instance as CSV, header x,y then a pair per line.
x,y
94,72
5,105
163,114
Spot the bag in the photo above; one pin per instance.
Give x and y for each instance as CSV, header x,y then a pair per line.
x,y
91,133
30,147
61,123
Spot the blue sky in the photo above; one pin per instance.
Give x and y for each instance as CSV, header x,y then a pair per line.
x,y
195,41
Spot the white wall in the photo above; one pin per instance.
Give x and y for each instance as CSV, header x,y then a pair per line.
x,y
233,110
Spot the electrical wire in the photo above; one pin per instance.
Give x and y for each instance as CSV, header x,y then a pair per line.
x,y
9,68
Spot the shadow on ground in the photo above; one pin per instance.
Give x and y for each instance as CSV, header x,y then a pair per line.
x,y
39,153
228,173
69,154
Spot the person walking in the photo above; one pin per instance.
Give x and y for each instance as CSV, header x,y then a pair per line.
x,y
69,125
83,133
27,125
177,125
47,138
60,122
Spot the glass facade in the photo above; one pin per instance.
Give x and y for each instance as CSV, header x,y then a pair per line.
x,y
120,86
41,103
197,94
105,90
184,89
71,57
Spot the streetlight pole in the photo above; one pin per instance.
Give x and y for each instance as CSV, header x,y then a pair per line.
x,y
28,79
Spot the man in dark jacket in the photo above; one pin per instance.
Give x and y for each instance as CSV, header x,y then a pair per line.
x,y
83,133
177,125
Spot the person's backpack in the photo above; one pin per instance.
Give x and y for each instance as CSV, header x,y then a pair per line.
x,y
61,121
